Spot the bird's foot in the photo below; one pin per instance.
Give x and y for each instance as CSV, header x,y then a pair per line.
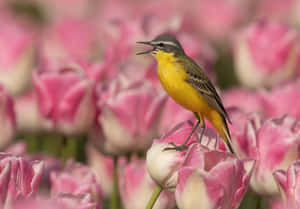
x,y
176,147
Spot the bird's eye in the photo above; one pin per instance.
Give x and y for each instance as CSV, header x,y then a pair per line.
x,y
161,45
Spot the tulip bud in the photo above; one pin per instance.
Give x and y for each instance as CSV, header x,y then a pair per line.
x,y
136,187
163,164
265,54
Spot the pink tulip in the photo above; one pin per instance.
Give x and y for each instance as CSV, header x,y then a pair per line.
x,y
130,112
289,184
22,178
246,100
163,164
217,19
66,202
136,187
17,149
16,55
76,179
212,179
279,204
283,99
283,10
38,204
29,118
295,17
5,174
50,163
173,114
7,119
58,9
103,168
66,99
80,201
265,54
68,40
273,143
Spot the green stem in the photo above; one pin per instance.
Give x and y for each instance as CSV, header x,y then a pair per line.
x,y
115,199
259,202
154,197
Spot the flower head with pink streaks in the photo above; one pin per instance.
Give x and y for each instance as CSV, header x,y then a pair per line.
x,y
212,179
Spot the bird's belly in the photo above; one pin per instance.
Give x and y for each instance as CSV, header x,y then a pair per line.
x,y
173,81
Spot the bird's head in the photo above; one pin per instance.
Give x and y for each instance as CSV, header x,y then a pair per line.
x,y
163,44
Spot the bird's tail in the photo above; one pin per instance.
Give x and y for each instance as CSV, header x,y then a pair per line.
x,y
225,134
220,124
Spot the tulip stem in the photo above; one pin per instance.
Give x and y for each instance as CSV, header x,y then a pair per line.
x,y
115,198
154,197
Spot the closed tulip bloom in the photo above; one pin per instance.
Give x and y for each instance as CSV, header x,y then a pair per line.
x,y
136,187
16,55
246,100
265,54
76,179
173,114
59,9
282,99
278,203
66,98
130,112
7,118
79,201
75,202
242,129
289,184
163,164
218,19
273,143
103,168
68,40
29,118
212,179
22,178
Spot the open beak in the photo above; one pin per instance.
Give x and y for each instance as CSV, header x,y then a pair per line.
x,y
145,43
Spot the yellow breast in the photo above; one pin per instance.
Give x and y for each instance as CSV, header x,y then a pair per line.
x,y
173,79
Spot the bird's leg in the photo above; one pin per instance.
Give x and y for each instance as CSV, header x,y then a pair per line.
x,y
202,126
183,146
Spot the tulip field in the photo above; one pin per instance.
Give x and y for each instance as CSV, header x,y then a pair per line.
x,y
86,124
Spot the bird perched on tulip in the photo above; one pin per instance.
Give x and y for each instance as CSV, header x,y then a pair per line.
x,y
188,85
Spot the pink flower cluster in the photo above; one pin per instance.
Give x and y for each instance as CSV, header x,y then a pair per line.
x,y
69,70
201,177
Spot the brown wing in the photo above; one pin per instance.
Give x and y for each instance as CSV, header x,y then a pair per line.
x,y
198,80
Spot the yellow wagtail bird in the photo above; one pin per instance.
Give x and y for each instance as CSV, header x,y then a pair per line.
x,y
188,85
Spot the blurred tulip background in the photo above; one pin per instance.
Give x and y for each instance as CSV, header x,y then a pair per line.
x,y
85,123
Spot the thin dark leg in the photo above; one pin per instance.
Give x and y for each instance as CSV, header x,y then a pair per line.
x,y
202,125
183,146
190,135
